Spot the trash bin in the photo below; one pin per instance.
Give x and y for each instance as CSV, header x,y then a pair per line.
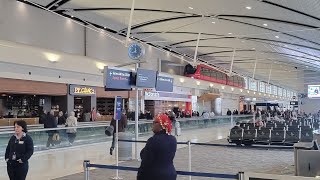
x,y
297,147
125,148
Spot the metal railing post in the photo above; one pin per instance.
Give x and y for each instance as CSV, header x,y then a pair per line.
x,y
241,176
189,163
86,169
231,121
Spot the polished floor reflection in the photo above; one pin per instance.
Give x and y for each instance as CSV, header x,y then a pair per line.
x,y
56,163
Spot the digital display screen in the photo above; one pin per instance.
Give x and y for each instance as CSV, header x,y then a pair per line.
x,y
117,79
146,78
314,91
164,83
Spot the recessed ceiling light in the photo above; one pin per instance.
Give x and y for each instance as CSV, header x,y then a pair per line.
x,y
253,48
190,7
213,22
105,27
265,24
230,33
242,41
248,7
72,16
277,36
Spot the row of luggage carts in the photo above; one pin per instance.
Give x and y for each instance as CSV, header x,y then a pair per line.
x,y
276,133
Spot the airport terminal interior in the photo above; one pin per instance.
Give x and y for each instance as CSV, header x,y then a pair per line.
x,y
159,89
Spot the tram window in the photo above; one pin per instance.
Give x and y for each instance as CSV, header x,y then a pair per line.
x,y
214,74
219,76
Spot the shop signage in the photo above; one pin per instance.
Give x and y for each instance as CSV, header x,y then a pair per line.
x,y
82,90
166,96
164,84
117,79
146,78
151,94
294,103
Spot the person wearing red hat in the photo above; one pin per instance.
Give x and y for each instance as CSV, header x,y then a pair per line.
x,y
158,154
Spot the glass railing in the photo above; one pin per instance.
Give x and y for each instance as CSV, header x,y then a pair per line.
x,y
95,133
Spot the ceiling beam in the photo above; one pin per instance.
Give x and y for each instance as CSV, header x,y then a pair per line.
x,y
51,4
127,9
290,9
59,4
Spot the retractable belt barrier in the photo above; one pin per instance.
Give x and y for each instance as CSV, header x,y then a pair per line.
x,y
183,173
224,145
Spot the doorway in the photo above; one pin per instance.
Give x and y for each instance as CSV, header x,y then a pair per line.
x,y
81,105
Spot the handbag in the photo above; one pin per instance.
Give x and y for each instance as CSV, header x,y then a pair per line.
x,y
109,130
55,137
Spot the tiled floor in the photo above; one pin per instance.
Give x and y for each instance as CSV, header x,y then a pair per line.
x,y
57,163
223,160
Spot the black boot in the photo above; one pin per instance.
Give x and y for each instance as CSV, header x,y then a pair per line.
x,y
111,151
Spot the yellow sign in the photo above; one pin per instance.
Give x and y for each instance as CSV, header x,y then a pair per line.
x,y
84,90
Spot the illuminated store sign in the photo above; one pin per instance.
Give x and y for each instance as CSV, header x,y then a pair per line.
x,y
82,90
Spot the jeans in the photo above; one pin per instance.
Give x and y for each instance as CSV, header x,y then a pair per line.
x,y
50,139
113,141
71,137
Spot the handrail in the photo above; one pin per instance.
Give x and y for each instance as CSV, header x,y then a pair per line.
x,y
55,129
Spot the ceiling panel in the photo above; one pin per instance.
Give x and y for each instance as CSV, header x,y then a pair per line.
x,y
288,40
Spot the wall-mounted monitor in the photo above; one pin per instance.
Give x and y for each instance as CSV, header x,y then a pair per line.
x,y
314,91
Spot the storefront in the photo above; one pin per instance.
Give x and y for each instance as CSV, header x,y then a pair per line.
x,y
160,102
105,100
81,99
26,99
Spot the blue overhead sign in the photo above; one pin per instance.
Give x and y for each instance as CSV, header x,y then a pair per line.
x,y
146,78
164,83
117,79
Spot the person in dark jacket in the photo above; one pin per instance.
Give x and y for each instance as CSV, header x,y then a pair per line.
x,y
61,118
229,112
18,152
50,123
43,117
158,154
122,124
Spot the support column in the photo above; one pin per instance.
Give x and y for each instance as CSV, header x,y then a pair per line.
x,y
70,103
196,51
130,23
232,60
93,102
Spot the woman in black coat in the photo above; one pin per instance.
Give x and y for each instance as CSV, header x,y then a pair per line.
x,y
158,154
18,152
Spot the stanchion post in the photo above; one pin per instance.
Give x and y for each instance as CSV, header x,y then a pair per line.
x,y
86,169
241,176
189,163
117,148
